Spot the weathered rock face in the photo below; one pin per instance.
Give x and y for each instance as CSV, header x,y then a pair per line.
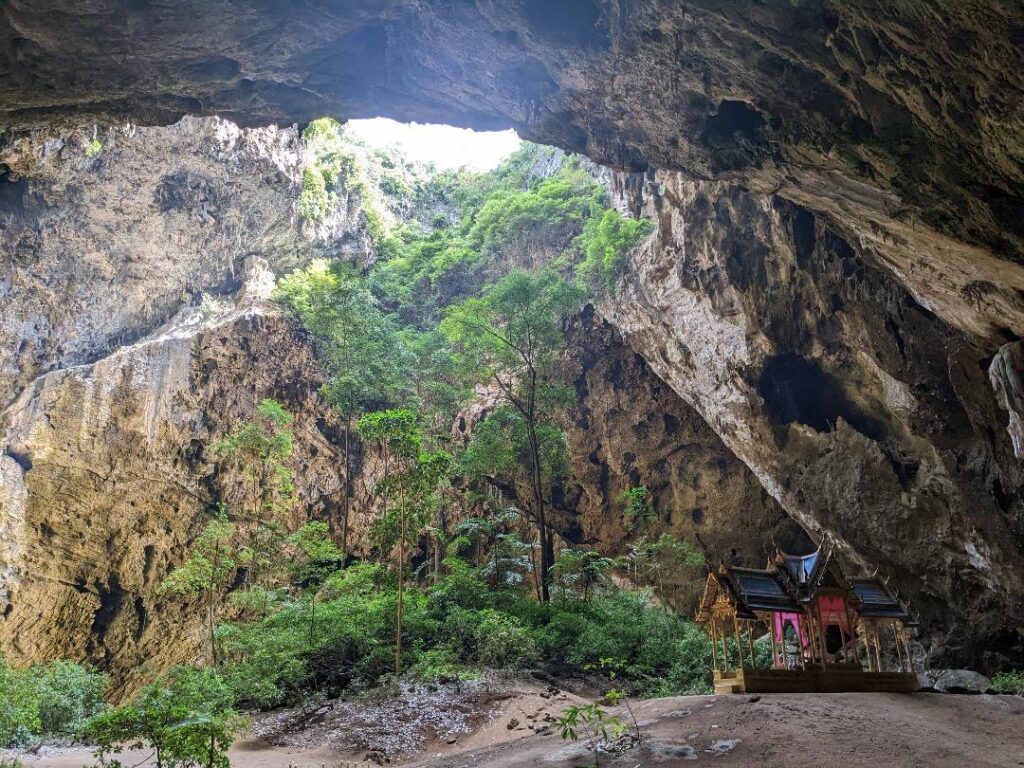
x,y
632,429
1007,376
839,254
99,251
106,476
859,410
900,123
106,481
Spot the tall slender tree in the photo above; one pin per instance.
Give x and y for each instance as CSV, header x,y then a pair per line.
x,y
512,338
207,572
411,477
262,449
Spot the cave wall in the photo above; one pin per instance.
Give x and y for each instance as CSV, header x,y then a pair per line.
x,y
145,289
99,250
106,482
838,264
629,429
863,413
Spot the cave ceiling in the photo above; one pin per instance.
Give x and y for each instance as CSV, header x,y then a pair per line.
x,y
902,122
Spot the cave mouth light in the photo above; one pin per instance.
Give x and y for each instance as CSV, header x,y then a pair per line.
x,y
446,146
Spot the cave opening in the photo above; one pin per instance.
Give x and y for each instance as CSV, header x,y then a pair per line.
x,y
798,390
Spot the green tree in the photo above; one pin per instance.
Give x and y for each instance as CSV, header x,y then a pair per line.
x,y
581,572
207,572
512,336
314,558
19,706
189,724
606,241
361,351
507,555
411,476
262,448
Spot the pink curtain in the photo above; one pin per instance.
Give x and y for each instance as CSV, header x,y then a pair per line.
x,y
833,611
780,620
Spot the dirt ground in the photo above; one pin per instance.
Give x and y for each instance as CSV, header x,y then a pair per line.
x,y
515,728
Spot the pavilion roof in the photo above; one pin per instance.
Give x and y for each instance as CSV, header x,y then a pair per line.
x,y
877,601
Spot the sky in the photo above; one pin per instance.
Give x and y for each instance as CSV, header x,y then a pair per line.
x,y
443,145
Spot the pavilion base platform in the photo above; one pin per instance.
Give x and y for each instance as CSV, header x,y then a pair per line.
x,y
816,678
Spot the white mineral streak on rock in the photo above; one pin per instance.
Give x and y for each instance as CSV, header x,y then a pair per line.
x,y
12,522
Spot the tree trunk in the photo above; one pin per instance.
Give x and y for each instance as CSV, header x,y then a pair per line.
x,y
401,585
546,543
348,484
210,606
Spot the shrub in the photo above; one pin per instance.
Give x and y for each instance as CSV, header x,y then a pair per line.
x,y
51,700
1009,682
68,694
441,665
188,723
19,707
502,642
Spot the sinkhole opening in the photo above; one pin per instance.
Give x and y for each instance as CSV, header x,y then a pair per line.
x,y
446,147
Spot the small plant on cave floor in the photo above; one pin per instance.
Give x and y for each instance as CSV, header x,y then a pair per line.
x,y
615,696
592,723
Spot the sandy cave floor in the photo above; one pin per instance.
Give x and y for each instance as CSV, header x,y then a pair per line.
x,y
513,728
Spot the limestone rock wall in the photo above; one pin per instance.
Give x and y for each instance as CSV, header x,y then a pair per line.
x,y
863,413
101,249
631,429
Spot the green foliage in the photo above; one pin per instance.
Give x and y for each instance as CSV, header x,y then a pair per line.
x,y
500,449
639,510
652,561
47,701
261,448
605,243
314,556
551,213
395,186
68,694
189,722
452,629
332,166
19,707
208,571
94,148
580,573
1009,682
593,723
397,430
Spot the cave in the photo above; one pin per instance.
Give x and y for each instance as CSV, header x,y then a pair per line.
x,y
830,192
799,390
